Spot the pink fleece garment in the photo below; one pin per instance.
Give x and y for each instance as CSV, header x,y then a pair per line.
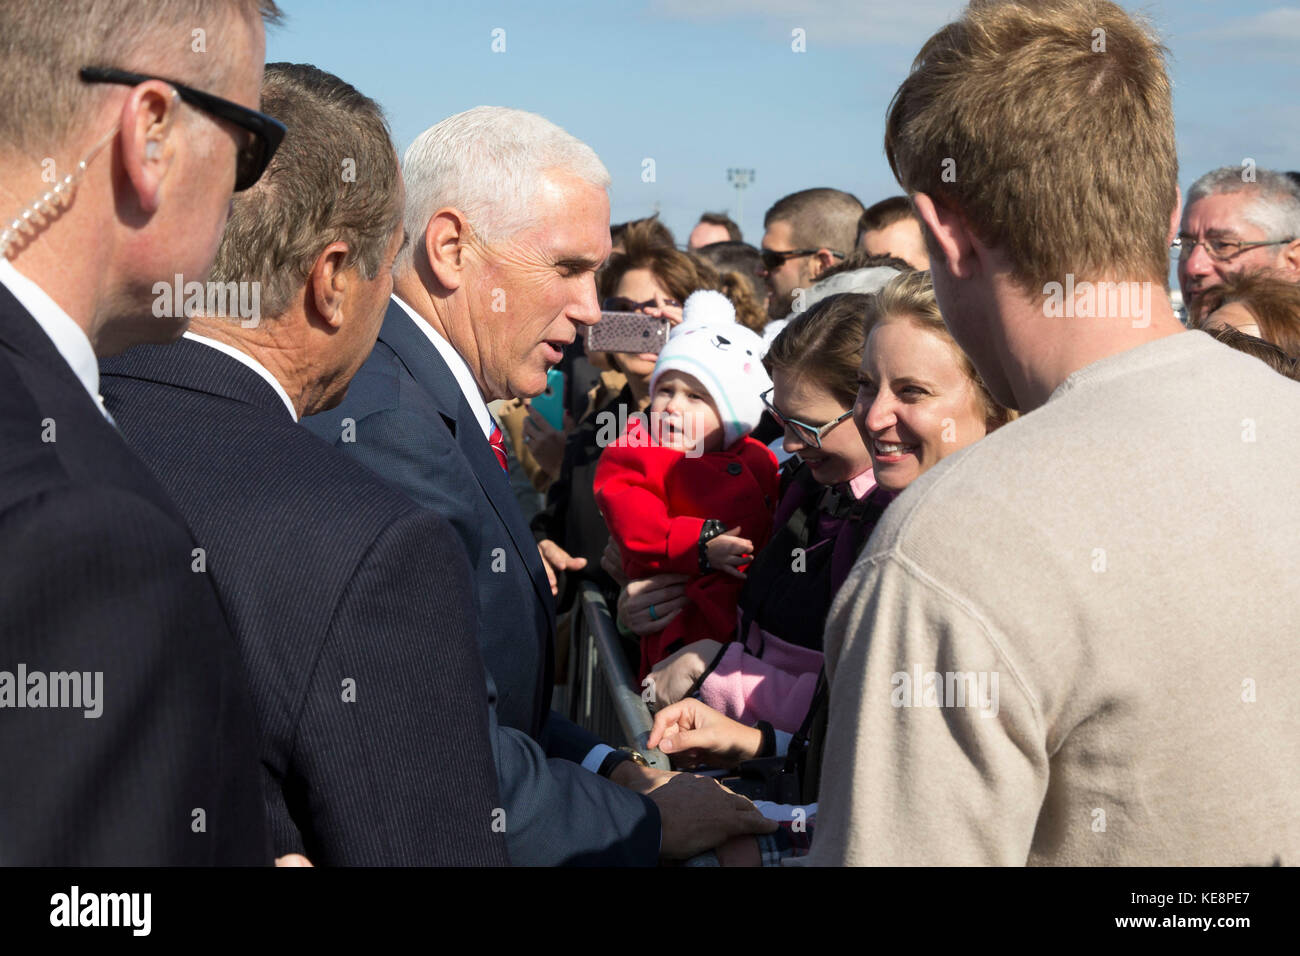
x,y
777,687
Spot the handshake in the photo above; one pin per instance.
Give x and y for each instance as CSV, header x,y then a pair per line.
x,y
696,813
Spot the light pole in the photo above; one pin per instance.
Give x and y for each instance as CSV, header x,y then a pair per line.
x,y
740,179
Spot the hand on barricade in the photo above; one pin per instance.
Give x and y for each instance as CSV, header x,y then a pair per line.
x,y
694,734
675,675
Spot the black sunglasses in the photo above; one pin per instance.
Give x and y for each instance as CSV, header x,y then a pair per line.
x,y
266,133
773,260
621,303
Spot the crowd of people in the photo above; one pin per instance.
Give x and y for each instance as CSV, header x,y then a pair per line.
x,y
923,568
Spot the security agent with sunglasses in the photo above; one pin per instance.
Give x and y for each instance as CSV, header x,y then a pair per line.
x,y
807,233
102,578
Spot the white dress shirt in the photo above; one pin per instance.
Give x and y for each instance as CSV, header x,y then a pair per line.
x,y
596,756
68,337
251,362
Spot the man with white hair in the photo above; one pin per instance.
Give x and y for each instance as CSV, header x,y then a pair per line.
x,y
508,220
1237,219
119,150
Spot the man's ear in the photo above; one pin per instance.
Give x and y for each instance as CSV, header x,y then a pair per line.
x,y
1291,259
949,237
328,283
445,238
150,137
820,262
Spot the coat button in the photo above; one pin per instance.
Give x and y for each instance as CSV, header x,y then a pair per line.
x,y
734,468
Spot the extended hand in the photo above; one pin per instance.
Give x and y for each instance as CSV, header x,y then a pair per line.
x,y
556,559
694,733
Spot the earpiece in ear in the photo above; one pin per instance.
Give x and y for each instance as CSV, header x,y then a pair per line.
x,y
151,149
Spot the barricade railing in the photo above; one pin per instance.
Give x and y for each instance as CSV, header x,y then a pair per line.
x,y
603,694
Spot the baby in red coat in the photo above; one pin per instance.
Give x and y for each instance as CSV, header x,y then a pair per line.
x,y
689,491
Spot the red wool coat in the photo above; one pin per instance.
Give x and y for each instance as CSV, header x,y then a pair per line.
x,y
655,501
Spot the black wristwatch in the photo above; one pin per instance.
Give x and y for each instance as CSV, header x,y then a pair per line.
x,y
712,528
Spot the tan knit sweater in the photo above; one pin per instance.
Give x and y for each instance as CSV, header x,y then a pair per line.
x,y
1118,573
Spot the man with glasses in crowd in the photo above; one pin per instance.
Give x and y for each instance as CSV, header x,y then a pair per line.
x,y
125,728
1237,220
807,232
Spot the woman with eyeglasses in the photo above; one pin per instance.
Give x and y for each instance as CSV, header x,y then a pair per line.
x,y
654,279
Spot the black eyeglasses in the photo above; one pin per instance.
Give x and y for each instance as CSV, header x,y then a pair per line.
x,y
808,434
621,303
1220,250
773,260
265,132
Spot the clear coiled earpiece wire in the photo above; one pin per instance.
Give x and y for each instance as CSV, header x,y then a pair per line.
x,y
38,213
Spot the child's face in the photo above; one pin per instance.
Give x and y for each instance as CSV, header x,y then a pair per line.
x,y
684,416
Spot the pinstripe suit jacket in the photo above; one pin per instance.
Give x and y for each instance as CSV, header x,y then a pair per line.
x,y
351,607
95,562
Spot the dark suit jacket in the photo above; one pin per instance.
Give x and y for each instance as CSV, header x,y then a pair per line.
x,y
412,425
95,562
352,610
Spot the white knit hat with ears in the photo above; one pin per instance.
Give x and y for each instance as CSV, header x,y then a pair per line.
x,y
727,359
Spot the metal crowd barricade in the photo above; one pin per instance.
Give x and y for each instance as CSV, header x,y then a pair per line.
x,y
603,694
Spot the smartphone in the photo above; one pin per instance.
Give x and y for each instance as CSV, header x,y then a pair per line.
x,y
628,332
551,402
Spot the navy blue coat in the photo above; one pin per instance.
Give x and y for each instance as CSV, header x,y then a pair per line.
x,y
406,418
96,565
351,608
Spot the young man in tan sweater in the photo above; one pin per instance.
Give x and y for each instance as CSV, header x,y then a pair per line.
x,y
1075,641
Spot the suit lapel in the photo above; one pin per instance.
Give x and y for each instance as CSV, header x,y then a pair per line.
x,y
431,373
87,446
21,334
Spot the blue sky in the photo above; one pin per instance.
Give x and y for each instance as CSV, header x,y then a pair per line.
x,y
702,85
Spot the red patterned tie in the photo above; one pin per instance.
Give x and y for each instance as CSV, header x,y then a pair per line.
x,y
498,442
